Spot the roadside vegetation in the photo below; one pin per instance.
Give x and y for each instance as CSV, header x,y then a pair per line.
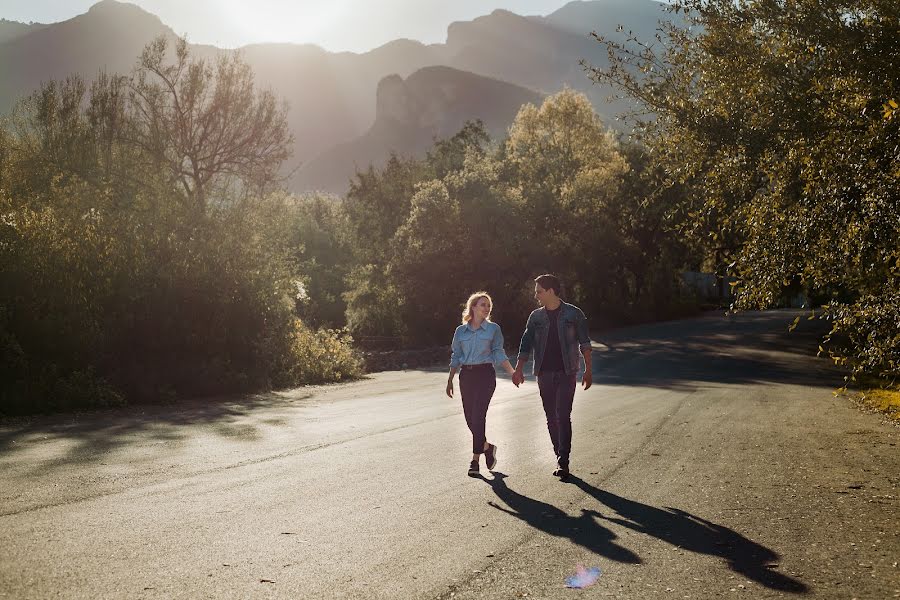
x,y
778,122
560,194
150,252
145,255
883,400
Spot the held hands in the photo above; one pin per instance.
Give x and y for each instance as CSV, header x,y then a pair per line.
x,y
518,378
514,372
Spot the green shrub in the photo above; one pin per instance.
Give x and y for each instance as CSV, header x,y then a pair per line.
x,y
323,356
124,276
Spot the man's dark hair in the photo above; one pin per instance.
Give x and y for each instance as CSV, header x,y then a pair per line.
x,y
549,282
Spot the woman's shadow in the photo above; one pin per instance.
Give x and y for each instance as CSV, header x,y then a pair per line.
x,y
682,529
583,530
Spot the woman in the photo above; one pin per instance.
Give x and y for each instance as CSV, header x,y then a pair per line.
x,y
477,345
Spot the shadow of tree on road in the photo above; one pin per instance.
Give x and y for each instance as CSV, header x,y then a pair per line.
x,y
693,533
95,434
686,354
583,530
752,347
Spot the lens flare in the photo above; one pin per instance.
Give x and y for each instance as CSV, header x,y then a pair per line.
x,y
583,577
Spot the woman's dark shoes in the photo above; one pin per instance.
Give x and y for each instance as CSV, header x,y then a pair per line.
x,y
490,457
473,469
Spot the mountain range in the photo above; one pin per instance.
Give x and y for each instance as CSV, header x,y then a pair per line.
x,y
349,110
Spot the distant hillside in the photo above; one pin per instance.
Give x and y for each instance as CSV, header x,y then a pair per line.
x,y
332,96
109,36
434,102
527,51
11,30
582,17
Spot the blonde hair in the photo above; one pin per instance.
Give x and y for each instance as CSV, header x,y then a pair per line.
x,y
468,313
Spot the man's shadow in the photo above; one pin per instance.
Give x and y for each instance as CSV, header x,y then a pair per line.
x,y
583,530
684,530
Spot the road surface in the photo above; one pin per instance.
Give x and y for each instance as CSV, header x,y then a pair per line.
x,y
710,458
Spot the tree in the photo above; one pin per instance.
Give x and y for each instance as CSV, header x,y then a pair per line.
x,y
774,118
322,243
141,256
464,233
48,140
378,203
207,125
418,224
568,170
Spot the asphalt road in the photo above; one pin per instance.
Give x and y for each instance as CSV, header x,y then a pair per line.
x,y
711,458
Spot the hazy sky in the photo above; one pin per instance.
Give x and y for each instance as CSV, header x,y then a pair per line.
x,y
356,25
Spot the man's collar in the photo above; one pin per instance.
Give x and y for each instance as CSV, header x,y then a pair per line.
x,y
557,308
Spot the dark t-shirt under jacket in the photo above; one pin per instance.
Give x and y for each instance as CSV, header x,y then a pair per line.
x,y
553,360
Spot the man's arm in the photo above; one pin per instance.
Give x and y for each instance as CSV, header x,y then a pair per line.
x,y
525,346
584,342
588,378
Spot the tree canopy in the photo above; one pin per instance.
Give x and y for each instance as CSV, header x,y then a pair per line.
x,y
559,194
776,118
143,255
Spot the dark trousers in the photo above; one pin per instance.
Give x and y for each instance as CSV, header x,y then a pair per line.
x,y
557,393
476,386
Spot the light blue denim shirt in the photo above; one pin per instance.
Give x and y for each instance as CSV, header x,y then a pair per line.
x,y
477,346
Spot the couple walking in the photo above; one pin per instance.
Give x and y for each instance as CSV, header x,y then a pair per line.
x,y
556,333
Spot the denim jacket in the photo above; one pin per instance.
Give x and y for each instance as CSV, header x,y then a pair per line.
x,y
573,337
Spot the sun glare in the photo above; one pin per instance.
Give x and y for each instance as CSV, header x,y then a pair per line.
x,y
276,21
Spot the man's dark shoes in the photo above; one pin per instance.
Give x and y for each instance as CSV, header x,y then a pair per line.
x,y
473,469
561,471
490,457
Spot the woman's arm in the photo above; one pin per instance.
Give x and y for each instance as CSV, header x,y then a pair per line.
x,y
455,359
450,381
509,370
498,354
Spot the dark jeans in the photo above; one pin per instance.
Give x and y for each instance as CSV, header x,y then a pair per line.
x,y
557,394
476,386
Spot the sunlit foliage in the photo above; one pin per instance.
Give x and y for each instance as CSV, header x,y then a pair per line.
x,y
143,255
559,194
776,118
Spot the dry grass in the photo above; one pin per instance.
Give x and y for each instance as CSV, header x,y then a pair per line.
x,y
884,401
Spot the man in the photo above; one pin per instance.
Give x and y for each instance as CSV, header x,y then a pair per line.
x,y
557,334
